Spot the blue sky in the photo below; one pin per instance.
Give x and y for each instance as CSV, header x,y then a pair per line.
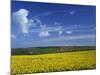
x,y
44,24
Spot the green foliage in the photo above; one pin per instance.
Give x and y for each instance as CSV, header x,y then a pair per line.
x,y
48,50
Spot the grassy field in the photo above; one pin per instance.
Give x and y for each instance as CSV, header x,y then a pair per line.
x,y
67,61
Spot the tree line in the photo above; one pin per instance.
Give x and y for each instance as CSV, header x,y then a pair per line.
x,y
45,50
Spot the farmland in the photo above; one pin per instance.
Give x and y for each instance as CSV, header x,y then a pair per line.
x,y
53,62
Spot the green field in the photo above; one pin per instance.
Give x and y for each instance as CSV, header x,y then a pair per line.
x,y
67,61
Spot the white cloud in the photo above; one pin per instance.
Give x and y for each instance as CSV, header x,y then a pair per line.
x,y
45,31
20,18
60,32
13,36
43,26
44,34
68,32
38,21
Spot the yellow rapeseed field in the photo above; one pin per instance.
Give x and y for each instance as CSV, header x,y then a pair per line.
x,y
67,61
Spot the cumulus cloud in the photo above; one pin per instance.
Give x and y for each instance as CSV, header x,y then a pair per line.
x,y
46,30
60,32
44,34
68,32
38,21
20,18
43,26
25,24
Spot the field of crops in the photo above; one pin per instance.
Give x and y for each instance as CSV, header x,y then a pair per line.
x,y
67,61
